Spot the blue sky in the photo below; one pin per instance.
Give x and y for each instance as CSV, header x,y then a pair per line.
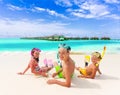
x,y
81,18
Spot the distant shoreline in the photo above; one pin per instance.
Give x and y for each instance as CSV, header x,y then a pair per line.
x,y
63,38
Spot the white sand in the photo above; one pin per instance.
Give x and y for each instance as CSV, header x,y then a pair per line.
x,y
12,84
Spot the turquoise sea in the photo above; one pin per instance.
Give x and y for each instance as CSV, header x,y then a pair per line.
x,y
87,46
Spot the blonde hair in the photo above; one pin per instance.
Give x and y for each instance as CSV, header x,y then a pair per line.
x,y
97,54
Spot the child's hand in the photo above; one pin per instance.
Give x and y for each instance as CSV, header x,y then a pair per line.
x,y
54,74
20,73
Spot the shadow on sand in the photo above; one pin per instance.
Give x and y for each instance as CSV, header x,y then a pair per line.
x,y
106,77
84,83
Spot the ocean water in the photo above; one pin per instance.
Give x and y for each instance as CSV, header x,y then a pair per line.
x,y
87,46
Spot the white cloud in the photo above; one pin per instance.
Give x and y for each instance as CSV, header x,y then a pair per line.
x,y
77,2
112,1
51,12
12,7
113,16
93,10
40,9
25,27
64,3
31,28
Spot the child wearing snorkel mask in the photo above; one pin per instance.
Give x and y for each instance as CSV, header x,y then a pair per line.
x,y
90,70
66,70
34,66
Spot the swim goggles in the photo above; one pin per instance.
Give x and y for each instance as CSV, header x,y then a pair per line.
x,y
35,49
97,54
64,46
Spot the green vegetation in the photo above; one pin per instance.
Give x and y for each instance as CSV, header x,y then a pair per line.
x,y
94,38
105,38
63,38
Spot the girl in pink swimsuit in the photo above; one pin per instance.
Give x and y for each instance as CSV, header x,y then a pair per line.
x,y
34,66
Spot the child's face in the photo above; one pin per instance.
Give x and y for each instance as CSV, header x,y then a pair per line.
x,y
36,54
63,53
94,59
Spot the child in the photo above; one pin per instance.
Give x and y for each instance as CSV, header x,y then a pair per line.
x,y
90,70
33,64
67,69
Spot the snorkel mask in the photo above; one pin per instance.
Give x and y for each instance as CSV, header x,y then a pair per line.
x,y
35,49
64,46
97,54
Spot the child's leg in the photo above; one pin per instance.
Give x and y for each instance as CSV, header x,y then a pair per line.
x,y
46,69
44,74
77,68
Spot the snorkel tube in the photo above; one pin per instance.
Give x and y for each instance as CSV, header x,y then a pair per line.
x,y
102,55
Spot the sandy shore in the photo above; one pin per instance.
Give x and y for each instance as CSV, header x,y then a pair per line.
x,y
12,84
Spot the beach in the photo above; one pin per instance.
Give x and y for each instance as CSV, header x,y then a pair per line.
x,y
45,28
13,84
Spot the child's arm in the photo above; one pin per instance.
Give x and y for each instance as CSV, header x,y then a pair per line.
x,y
22,73
54,74
99,71
67,82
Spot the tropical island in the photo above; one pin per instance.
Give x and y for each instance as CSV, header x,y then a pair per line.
x,y
63,38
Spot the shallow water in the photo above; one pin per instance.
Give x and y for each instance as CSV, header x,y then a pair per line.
x,y
88,46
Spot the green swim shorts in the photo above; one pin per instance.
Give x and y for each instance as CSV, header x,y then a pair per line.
x,y
60,75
